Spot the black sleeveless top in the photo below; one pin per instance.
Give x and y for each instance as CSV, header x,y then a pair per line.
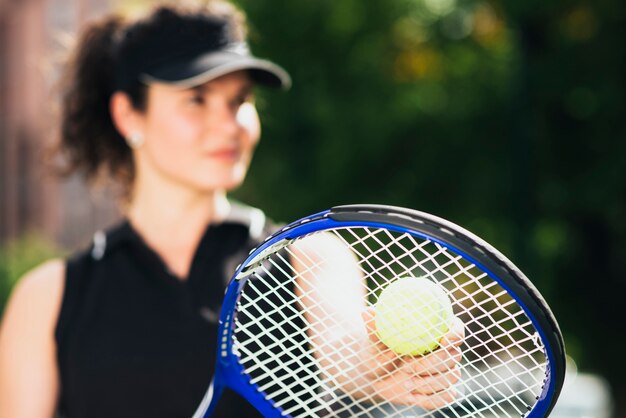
x,y
135,341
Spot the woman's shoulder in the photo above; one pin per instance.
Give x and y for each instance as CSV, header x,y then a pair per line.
x,y
27,372
42,289
36,298
44,280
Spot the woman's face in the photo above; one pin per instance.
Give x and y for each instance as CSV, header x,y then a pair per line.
x,y
202,138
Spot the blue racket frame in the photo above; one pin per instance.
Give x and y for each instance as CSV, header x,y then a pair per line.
x,y
230,373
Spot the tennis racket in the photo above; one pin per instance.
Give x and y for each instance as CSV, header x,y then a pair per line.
x,y
272,352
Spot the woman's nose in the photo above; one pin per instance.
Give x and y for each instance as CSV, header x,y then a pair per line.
x,y
225,118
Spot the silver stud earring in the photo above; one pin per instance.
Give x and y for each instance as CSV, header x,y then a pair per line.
x,y
135,139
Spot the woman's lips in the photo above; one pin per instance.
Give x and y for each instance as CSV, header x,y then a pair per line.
x,y
226,154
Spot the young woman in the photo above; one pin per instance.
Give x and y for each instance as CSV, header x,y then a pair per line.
x,y
126,328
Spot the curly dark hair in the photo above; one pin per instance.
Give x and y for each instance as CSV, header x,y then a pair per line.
x,y
89,143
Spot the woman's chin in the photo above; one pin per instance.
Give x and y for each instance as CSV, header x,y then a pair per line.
x,y
226,183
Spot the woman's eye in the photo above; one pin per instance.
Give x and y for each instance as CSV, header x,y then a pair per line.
x,y
197,99
237,102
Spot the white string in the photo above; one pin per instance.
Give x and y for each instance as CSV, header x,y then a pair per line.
x,y
503,367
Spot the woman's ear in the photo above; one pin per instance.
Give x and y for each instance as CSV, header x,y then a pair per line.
x,y
126,119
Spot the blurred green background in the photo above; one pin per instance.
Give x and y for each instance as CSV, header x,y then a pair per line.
x,y
507,118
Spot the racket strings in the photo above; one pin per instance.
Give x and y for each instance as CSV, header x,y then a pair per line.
x,y
304,330
502,329
455,261
254,301
270,350
503,360
375,253
440,266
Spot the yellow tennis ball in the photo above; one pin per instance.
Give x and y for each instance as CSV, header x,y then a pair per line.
x,y
412,314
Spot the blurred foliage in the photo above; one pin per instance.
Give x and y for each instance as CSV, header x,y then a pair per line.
x,y
19,256
504,117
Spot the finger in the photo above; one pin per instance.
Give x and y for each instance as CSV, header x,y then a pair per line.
x,y
456,334
381,359
429,385
369,316
379,349
445,358
438,361
435,401
380,364
399,388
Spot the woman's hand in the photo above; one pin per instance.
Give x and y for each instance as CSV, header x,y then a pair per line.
x,y
343,337
426,381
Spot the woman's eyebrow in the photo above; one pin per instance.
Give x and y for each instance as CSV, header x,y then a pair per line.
x,y
200,89
246,89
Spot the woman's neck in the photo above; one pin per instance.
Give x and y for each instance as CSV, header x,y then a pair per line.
x,y
172,222
159,210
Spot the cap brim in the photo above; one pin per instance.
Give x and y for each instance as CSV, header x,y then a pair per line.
x,y
207,67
